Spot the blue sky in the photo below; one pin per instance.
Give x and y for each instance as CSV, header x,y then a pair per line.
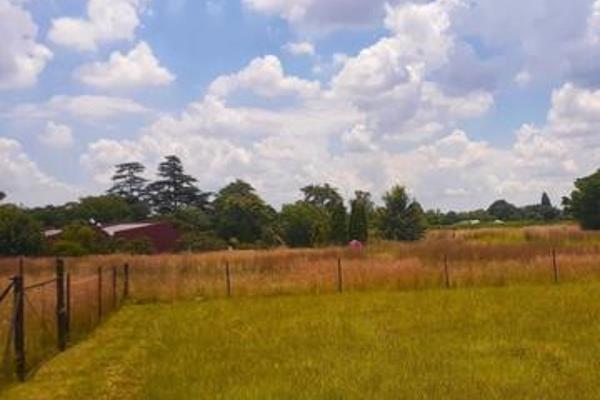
x,y
462,101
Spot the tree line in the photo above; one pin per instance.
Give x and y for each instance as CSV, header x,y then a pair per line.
x,y
235,216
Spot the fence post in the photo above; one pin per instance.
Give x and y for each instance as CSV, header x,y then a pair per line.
x,y
446,271
114,286
555,266
99,293
19,323
339,275
126,280
61,309
68,306
228,278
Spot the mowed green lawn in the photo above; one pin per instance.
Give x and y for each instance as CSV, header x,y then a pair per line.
x,y
538,342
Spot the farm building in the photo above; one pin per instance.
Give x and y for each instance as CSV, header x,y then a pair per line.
x,y
162,235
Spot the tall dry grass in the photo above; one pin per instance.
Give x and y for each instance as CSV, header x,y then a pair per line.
x,y
485,257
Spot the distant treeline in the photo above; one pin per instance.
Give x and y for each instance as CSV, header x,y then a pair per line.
x,y
236,216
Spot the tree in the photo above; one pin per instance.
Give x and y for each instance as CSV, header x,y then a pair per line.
x,y
322,196
401,219
546,200
107,209
20,234
304,225
176,189
80,238
358,228
339,224
502,209
241,215
584,202
326,198
127,182
2,195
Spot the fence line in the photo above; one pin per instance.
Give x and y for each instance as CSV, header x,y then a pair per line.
x,y
75,303
21,329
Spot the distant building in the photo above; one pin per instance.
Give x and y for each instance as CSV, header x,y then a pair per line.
x,y
161,235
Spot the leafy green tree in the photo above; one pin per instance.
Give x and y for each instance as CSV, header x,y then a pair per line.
x,y
502,209
322,196
80,238
107,209
339,224
129,183
401,219
304,225
584,203
2,195
174,189
358,228
242,216
20,234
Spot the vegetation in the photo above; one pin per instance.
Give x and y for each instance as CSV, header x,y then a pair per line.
x,y
19,232
401,218
359,216
584,203
463,344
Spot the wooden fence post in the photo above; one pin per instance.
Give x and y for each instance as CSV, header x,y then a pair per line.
x,y
114,287
228,278
446,271
126,280
339,276
99,293
61,308
555,266
68,305
19,324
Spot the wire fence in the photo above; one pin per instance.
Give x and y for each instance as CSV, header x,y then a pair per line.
x,y
41,315
46,316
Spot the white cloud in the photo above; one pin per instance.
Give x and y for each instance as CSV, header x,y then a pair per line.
x,y
264,77
82,107
57,136
137,68
106,21
23,181
22,59
300,48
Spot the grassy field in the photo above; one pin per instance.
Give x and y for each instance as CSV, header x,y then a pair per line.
x,y
525,342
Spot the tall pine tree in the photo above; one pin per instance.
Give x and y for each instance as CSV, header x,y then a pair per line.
x,y
128,182
175,190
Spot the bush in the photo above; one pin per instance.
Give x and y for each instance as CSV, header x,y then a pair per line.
x,y
20,234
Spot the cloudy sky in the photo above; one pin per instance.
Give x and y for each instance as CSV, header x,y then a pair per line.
x,y
462,101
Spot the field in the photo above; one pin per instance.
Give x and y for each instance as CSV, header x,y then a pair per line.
x,y
497,343
520,321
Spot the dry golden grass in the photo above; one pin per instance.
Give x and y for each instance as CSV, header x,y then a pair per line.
x,y
484,257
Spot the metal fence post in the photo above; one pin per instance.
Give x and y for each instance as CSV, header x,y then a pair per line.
x,y
19,325
61,308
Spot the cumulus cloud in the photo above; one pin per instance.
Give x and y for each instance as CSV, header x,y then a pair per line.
x,y
106,21
300,48
22,59
264,77
23,181
137,68
57,136
81,107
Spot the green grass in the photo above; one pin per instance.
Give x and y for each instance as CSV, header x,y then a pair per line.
x,y
538,342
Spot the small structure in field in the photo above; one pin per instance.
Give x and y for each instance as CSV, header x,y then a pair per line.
x,y
356,245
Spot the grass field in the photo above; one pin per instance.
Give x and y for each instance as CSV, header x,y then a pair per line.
x,y
521,342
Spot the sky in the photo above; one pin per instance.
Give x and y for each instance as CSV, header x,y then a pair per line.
x,y
461,101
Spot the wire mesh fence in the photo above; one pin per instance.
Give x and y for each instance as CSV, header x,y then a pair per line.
x,y
40,315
